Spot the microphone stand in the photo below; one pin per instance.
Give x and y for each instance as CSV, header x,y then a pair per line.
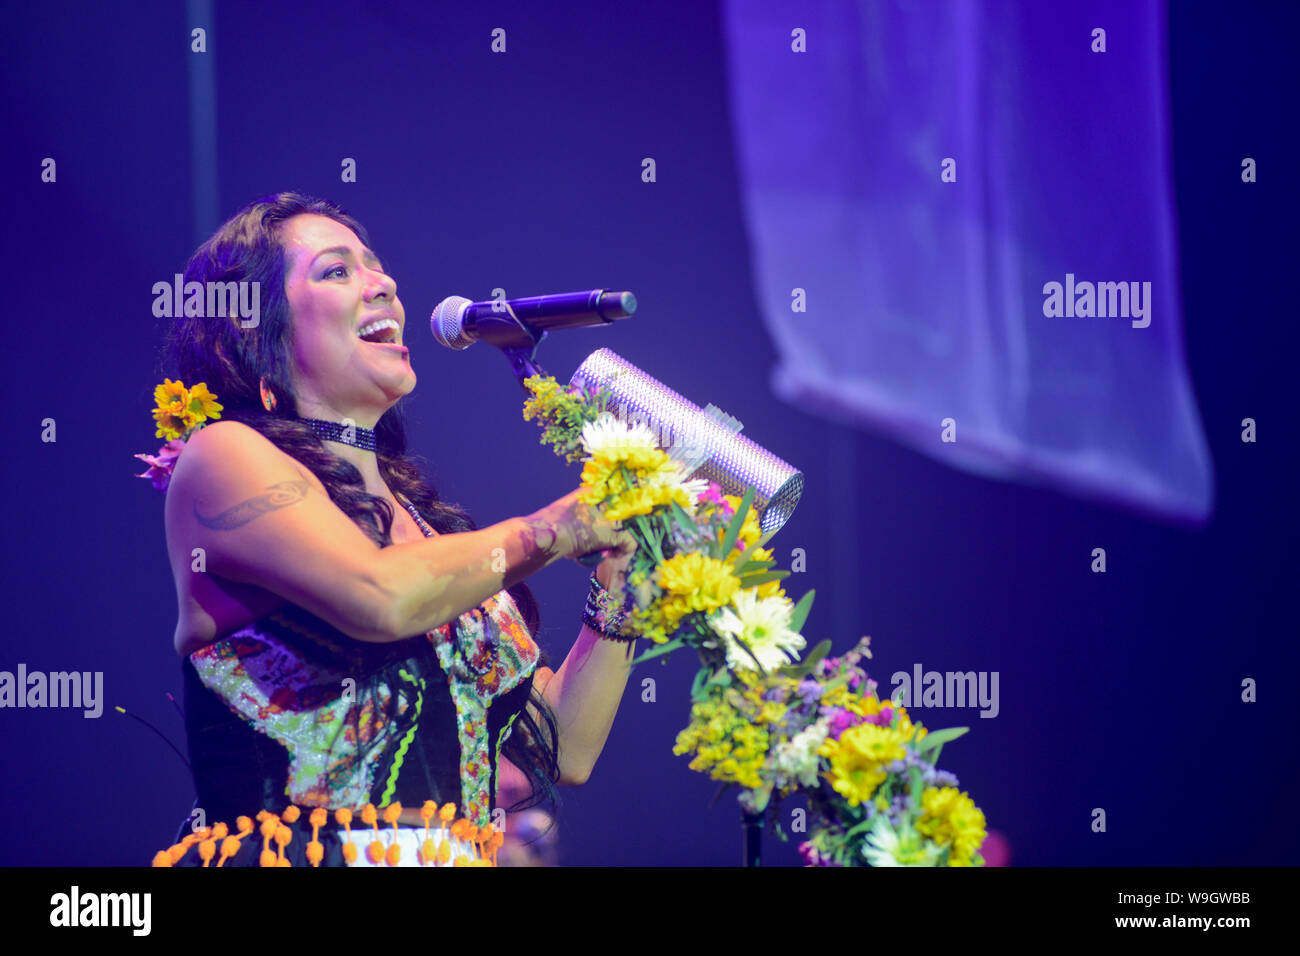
x,y
523,359
752,830
523,362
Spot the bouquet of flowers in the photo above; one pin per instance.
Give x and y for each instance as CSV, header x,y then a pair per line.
x,y
179,412
702,578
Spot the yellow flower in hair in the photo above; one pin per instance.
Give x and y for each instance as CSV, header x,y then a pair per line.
x,y
171,426
170,399
202,404
179,410
170,396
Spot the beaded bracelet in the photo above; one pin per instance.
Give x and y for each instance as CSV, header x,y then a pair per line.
x,y
604,615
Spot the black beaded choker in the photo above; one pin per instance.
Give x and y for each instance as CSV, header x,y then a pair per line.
x,y
354,435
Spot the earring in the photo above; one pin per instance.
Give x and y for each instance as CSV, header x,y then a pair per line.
x,y
268,396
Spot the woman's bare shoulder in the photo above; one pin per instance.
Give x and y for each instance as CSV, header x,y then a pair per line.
x,y
230,445
223,435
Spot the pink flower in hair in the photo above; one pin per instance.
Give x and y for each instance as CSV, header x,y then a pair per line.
x,y
161,464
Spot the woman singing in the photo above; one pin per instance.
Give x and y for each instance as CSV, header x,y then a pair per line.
x,y
358,656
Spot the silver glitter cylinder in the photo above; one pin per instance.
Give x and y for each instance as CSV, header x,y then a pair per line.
x,y
705,439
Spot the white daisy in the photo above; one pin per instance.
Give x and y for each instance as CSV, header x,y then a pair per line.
x,y
763,624
674,477
885,846
610,435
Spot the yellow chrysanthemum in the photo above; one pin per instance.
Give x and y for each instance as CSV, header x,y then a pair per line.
x,y
856,760
600,479
695,582
202,404
170,397
689,582
642,500
179,409
950,818
634,501
602,473
170,424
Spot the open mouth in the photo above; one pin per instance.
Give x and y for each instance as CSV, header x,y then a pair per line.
x,y
382,331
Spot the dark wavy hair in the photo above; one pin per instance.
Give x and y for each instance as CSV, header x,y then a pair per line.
x,y
234,361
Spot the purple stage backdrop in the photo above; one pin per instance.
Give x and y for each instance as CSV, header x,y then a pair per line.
x,y
913,182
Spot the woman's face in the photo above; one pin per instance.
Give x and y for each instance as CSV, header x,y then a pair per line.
x,y
336,287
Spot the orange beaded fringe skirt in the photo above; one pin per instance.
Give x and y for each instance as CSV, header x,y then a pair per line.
x,y
444,840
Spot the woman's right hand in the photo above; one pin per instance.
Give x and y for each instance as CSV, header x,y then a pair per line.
x,y
580,530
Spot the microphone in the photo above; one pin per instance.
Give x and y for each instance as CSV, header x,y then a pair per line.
x,y
520,323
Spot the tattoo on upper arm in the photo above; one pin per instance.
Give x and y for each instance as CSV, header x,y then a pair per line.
x,y
280,495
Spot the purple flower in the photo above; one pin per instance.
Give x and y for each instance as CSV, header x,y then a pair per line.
x,y
809,691
942,778
161,464
883,718
842,720
813,858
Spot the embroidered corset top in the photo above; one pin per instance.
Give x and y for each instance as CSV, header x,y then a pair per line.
x,y
291,710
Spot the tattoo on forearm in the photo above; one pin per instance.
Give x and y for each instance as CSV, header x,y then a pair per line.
x,y
585,537
539,537
279,495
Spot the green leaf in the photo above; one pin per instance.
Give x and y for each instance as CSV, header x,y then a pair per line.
x,y
649,538
865,825
753,566
938,737
917,785
754,580
737,522
801,613
658,651
805,667
701,689
683,519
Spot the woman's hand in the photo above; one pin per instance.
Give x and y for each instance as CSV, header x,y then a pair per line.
x,y
612,572
579,529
